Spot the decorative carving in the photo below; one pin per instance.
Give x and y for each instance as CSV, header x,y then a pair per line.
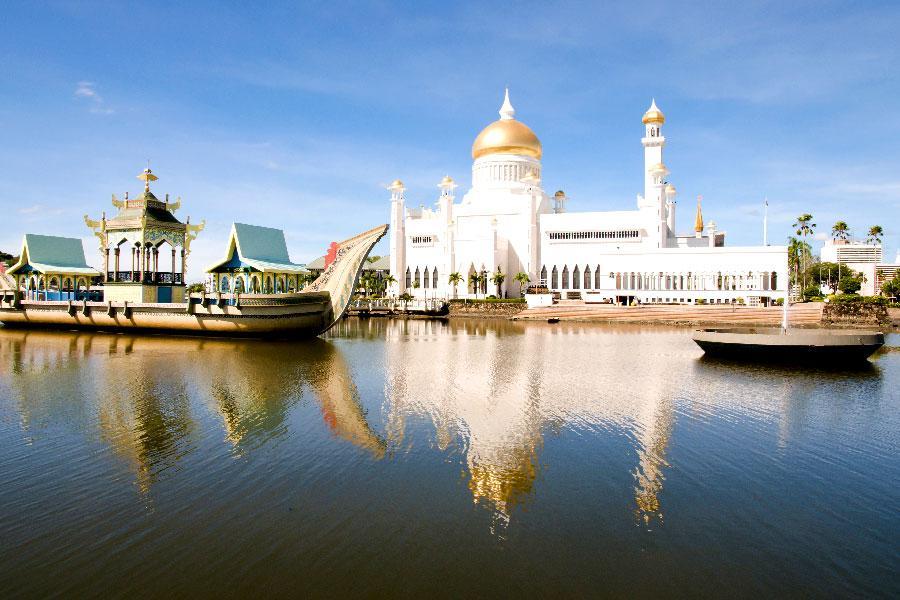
x,y
120,204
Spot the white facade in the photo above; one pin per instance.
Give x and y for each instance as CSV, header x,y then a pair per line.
x,y
506,222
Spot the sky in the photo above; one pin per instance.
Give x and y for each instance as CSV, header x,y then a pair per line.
x,y
297,115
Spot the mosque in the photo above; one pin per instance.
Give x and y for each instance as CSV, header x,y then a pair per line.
x,y
506,223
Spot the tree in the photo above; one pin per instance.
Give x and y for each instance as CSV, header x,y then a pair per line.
x,y
389,280
891,288
827,274
875,234
523,279
455,279
840,230
474,278
850,285
497,279
799,253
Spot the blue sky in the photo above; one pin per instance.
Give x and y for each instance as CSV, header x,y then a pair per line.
x,y
296,115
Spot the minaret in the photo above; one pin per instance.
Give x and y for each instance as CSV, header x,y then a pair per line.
x,y
398,235
656,194
447,185
653,142
670,207
698,220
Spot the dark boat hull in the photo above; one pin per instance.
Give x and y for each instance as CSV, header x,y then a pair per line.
x,y
800,346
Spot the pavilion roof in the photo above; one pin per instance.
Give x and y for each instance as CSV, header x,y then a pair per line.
x,y
262,248
53,254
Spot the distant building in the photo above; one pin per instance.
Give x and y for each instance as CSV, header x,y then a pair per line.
x,y
379,269
256,261
53,268
857,256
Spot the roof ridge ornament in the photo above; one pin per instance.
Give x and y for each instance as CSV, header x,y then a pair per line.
x,y
147,176
507,112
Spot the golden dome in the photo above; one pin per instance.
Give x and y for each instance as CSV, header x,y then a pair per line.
x,y
653,115
559,194
507,136
670,189
658,168
395,185
447,180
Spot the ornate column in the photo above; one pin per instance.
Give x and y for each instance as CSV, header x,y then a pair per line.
x,y
173,264
106,264
116,273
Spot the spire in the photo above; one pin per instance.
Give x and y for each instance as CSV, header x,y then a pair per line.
x,y
698,220
147,176
653,114
507,112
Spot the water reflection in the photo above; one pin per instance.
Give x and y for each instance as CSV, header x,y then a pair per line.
x,y
496,389
134,392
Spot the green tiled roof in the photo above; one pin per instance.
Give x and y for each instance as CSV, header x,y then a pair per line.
x,y
263,248
50,253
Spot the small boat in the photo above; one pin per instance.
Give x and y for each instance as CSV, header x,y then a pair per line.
x,y
310,312
792,345
789,345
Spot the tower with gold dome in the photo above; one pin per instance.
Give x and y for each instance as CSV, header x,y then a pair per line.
x,y
507,224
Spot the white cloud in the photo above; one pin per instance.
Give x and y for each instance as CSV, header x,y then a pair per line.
x,y
85,90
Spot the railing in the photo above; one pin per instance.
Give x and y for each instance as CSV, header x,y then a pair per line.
x,y
166,277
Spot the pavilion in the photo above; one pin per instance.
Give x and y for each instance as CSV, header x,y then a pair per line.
x,y
255,262
53,268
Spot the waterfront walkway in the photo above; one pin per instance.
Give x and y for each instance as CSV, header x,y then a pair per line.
x,y
800,314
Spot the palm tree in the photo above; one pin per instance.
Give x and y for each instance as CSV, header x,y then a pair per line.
x,y
497,279
875,234
840,230
798,252
455,279
804,227
389,280
474,278
523,279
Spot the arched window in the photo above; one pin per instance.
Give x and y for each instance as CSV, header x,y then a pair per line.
x,y
417,280
774,280
223,286
576,278
587,277
239,284
597,276
41,284
554,281
254,285
426,281
408,278
434,278
543,280
67,284
565,277
268,289
618,281
81,285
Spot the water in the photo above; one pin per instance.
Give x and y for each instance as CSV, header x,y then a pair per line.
x,y
417,458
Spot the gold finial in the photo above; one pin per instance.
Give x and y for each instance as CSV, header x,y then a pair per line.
x,y
698,221
147,176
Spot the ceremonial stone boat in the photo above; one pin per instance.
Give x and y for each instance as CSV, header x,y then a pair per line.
x,y
790,345
309,312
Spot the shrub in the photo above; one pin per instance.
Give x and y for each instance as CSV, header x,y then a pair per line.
x,y
700,301
850,285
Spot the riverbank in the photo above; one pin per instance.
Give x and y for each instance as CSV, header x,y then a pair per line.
x,y
481,309
812,314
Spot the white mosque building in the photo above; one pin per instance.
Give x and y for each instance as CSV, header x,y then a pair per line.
x,y
506,222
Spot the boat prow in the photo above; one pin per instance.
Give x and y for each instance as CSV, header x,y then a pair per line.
x,y
791,345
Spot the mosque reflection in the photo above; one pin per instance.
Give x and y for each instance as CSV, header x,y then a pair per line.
x,y
496,388
134,392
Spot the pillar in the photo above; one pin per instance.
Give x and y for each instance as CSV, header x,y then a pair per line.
x,y
116,274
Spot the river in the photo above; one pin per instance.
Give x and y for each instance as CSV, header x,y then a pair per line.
x,y
443,459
